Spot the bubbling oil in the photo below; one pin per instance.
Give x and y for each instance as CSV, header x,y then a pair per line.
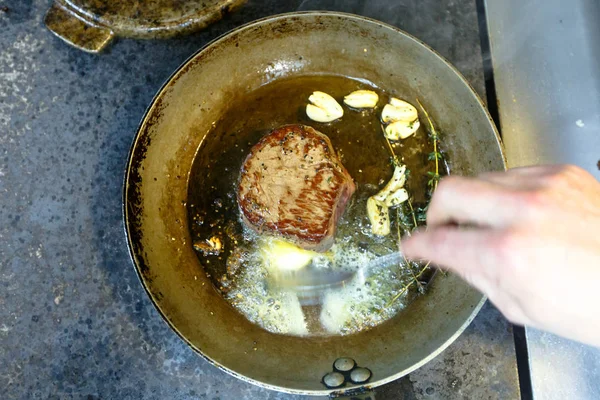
x,y
238,270
357,304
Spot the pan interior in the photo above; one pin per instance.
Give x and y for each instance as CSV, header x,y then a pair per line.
x,y
237,269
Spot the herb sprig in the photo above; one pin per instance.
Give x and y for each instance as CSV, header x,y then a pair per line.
x,y
418,215
435,155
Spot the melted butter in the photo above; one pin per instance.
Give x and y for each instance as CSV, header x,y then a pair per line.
x,y
278,255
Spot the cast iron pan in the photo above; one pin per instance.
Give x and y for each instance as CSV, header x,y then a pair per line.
x,y
156,188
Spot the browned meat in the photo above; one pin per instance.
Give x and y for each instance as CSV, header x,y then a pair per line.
x,y
293,185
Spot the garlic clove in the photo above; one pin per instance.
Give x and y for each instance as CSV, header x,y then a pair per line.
x,y
392,113
324,108
394,184
402,104
318,114
401,129
378,214
396,198
362,99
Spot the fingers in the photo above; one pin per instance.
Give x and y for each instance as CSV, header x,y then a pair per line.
x,y
535,170
448,246
512,180
522,177
493,199
468,252
469,201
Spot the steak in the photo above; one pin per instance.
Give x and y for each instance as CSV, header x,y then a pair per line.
x,y
293,185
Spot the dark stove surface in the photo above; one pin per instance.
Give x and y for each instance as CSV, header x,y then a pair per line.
x,y
74,320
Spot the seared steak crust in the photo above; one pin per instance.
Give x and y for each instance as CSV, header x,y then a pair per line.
x,y
293,185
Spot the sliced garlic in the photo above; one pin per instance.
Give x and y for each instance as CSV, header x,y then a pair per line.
x,y
394,184
324,108
378,214
391,113
401,129
362,99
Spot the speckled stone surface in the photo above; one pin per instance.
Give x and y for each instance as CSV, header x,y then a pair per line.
x,y
74,320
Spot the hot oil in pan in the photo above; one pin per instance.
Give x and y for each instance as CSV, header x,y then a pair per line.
x,y
232,257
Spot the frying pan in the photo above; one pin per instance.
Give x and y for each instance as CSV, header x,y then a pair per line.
x,y
156,188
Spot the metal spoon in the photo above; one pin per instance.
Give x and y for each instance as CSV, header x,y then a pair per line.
x,y
311,282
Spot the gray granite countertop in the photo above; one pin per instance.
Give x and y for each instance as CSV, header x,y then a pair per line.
x,y
74,319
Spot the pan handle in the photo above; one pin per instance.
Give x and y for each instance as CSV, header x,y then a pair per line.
x,y
76,30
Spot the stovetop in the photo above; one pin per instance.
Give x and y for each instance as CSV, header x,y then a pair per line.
x,y
545,69
74,320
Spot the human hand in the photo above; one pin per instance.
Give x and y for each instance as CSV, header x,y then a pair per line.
x,y
528,238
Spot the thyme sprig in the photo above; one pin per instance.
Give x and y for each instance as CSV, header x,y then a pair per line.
x,y
393,158
418,215
412,212
435,155
419,285
395,161
405,288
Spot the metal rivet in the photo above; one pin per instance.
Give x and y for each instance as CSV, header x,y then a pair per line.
x,y
360,375
333,380
344,364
